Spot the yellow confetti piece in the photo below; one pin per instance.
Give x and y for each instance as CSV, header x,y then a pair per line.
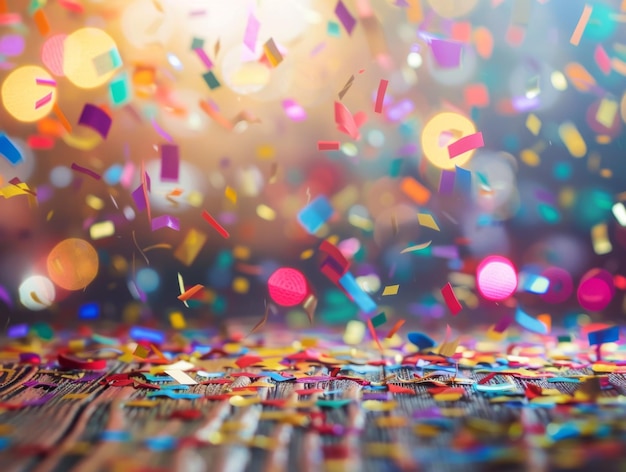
x,y
266,151
572,139
177,320
307,254
261,384
241,252
190,247
239,400
426,430
427,220
375,405
264,442
75,396
241,285
607,111
231,194
94,202
530,157
391,290
533,123
392,421
600,239
447,397
141,403
195,199
141,351
76,345
100,230
379,449
265,212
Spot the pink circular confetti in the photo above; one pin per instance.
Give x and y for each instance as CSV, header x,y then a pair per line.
x,y
52,54
287,287
596,290
561,285
496,278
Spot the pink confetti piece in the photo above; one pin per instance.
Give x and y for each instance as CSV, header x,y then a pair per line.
x,y
602,59
165,221
294,110
466,143
164,134
42,101
345,121
252,32
328,145
213,222
170,163
50,82
380,96
503,323
450,298
345,17
204,58
84,170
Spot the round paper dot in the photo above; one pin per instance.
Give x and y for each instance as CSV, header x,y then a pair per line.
x,y
496,278
442,130
89,58
596,290
20,93
52,54
36,292
287,287
73,264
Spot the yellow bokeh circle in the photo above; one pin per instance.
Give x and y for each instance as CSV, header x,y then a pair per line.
x,y
73,264
21,92
452,8
90,58
437,154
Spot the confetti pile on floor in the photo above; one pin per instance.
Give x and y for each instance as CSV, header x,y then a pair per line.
x,y
144,401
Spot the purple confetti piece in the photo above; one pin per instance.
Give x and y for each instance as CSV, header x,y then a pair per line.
x,y
400,110
11,45
139,198
524,104
165,221
446,183
18,331
30,357
84,170
375,396
445,252
252,32
345,17
503,323
447,53
95,118
39,401
314,379
170,163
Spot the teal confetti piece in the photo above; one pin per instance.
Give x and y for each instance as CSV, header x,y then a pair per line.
x,y
197,43
211,80
333,403
120,90
333,29
379,319
396,167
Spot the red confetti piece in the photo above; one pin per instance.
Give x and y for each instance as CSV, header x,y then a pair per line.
x,y
84,170
247,361
450,298
395,328
40,142
328,145
370,326
187,294
213,222
399,389
380,96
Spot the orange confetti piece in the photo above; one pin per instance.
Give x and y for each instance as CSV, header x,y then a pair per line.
x,y
62,118
395,328
484,42
370,326
414,190
50,127
187,294
41,21
217,116
580,27
3,7
579,77
414,12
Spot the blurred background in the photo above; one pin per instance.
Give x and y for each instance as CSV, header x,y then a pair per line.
x,y
124,121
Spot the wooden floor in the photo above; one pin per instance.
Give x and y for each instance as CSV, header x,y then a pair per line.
x,y
328,407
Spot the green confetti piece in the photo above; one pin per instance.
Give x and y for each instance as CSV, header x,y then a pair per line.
x,y
43,331
379,319
333,403
197,43
395,167
211,80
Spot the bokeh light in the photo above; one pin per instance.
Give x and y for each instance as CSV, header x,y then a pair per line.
x,y
73,264
25,96
36,292
496,278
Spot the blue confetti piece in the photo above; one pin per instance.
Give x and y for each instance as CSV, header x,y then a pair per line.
x,y
174,395
157,378
563,379
463,181
175,387
138,333
559,432
421,340
529,323
4,443
161,443
601,336
18,331
9,150
89,311
535,283
115,436
362,299
313,216
275,376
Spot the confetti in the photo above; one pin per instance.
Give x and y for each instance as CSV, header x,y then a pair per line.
x,y
380,95
315,214
578,32
96,119
9,151
465,144
451,300
391,290
215,224
345,17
